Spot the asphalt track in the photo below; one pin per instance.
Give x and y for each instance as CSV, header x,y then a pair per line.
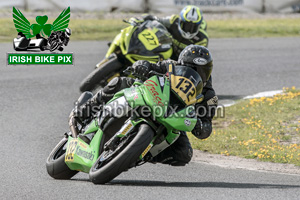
x,y
35,102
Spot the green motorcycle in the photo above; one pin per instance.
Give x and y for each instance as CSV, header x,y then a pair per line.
x,y
133,127
142,40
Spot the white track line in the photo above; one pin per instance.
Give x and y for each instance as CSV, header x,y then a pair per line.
x,y
258,95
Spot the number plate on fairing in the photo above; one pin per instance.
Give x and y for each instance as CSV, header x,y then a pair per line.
x,y
185,89
71,150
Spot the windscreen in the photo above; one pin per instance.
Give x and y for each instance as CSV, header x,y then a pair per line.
x,y
162,34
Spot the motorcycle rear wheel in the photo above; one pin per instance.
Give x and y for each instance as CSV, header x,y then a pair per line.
x,y
100,75
128,152
55,163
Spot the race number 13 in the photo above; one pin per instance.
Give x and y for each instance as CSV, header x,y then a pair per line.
x,y
186,86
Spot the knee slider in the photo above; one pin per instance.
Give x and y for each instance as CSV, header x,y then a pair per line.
x,y
184,157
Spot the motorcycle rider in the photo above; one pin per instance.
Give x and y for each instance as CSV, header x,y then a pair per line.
x,y
60,37
194,56
187,28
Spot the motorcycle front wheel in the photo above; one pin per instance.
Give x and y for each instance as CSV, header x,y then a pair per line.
x,y
54,45
55,163
111,163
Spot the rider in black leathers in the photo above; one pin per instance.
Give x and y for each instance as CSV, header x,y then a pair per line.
x,y
195,56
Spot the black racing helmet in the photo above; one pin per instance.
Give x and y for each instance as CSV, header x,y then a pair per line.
x,y
199,58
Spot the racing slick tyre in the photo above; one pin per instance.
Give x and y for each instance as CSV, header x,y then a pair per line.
x,y
111,163
100,75
55,163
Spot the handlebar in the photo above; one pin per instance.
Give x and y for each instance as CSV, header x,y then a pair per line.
x,y
131,22
130,70
152,73
135,21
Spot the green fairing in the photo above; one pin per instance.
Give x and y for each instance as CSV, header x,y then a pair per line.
x,y
117,95
151,94
84,158
92,127
179,121
171,137
134,97
155,98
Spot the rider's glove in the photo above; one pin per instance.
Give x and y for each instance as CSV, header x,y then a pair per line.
x,y
149,17
83,112
141,67
89,108
202,129
165,63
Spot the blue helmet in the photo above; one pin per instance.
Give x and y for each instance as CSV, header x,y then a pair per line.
x,y
190,20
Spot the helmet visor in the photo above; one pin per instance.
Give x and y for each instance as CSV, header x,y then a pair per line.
x,y
205,72
189,27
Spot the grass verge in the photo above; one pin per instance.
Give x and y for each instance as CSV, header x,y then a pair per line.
x,y
106,29
267,129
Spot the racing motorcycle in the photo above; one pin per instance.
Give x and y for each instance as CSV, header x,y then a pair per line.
x,y
58,39
141,40
117,138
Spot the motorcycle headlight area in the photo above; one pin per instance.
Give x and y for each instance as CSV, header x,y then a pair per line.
x,y
117,108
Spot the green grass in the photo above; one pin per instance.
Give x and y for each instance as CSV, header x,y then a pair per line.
x,y
104,29
254,28
92,29
267,129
